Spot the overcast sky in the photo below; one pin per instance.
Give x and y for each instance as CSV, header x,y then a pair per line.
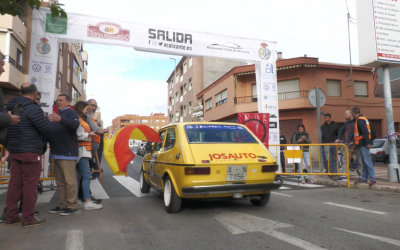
x,y
124,81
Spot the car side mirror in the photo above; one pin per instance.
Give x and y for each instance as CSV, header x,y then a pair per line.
x,y
149,148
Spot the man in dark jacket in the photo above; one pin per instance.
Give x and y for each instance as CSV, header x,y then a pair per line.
x,y
362,139
64,150
24,142
282,139
6,120
330,131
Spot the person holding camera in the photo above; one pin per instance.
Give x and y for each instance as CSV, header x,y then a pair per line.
x,y
302,137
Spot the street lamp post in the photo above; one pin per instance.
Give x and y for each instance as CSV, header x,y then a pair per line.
x,y
173,116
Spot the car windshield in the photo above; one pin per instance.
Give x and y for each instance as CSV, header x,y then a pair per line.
x,y
218,133
378,143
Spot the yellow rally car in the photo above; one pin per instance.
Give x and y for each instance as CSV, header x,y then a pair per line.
x,y
208,160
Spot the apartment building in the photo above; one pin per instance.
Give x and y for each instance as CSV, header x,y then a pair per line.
x,y
155,121
236,92
15,39
190,76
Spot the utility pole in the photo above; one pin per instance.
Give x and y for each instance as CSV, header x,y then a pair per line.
x,y
173,116
393,165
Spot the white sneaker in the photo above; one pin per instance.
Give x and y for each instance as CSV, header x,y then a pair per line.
x,y
81,204
92,206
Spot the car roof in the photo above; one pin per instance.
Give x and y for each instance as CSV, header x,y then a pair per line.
x,y
181,124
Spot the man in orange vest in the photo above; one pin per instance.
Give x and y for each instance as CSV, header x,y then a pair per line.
x,y
362,139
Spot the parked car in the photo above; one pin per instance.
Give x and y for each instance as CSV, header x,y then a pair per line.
x,y
380,149
209,161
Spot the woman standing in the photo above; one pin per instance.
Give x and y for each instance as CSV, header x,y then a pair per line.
x,y
302,137
85,148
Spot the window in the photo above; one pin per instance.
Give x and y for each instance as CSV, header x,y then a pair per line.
x,y
181,111
170,140
184,68
60,45
58,86
190,107
158,146
157,127
289,89
360,89
254,90
138,121
145,121
190,83
176,116
190,62
333,88
176,96
77,69
151,127
157,121
184,88
209,104
131,121
221,97
67,88
162,121
19,57
75,94
198,133
172,83
173,100
181,90
184,111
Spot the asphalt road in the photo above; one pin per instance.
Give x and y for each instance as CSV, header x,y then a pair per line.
x,y
307,217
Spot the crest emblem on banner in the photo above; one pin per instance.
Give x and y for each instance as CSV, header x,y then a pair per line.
x,y
43,47
263,52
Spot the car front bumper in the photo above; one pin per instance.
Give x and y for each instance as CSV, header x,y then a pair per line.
x,y
230,188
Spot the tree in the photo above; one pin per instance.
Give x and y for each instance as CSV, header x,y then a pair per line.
x,y
14,7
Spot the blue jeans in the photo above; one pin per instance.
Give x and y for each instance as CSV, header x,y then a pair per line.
x,y
332,161
82,171
306,163
368,167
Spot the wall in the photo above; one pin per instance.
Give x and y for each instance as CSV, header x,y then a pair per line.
x,y
214,68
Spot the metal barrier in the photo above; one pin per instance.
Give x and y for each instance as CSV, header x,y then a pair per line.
x,y
293,154
5,175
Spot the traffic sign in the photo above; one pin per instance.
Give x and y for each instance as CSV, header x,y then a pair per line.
x,y
312,97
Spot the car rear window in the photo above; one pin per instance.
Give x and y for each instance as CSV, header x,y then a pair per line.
x,y
218,134
378,143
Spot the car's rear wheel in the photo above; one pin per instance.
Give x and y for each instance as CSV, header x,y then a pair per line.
x,y
144,186
264,198
172,201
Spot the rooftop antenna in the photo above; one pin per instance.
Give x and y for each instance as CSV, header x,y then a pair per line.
x,y
349,20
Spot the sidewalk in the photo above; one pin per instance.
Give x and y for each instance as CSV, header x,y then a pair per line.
x,y
381,177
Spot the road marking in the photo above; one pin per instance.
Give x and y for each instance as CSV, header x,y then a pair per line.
x,y
133,186
282,194
238,223
284,187
3,191
356,208
387,240
302,185
74,240
98,190
45,196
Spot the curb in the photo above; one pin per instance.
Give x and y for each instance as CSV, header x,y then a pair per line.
x,y
358,186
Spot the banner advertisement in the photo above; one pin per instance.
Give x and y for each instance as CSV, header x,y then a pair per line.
x,y
257,123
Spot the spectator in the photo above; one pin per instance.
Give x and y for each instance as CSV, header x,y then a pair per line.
x,y
330,131
282,149
6,120
362,139
24,142
85,153
302,137
64,150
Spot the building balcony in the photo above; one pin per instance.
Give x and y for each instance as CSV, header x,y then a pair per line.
x,y
15,24
84,76
245,99
12,77
293,95
85,57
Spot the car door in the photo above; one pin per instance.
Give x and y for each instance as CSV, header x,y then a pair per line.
x,y
154,162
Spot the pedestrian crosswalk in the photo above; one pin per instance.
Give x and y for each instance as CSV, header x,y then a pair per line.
x,y
133,186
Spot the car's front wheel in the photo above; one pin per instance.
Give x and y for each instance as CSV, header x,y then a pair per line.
x,y
144,186
264,198
172,201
